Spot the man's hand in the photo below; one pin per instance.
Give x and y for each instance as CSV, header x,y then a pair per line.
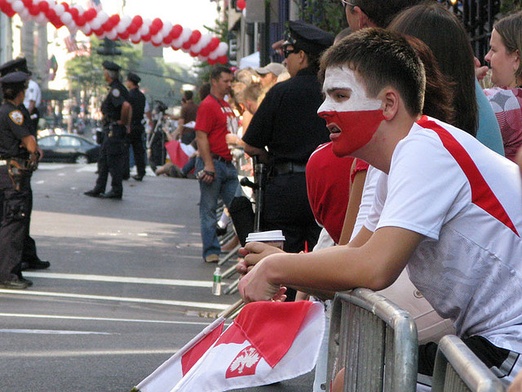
x,y
253,253
254,286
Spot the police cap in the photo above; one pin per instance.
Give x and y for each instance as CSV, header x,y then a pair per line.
x,y
307,37
14,78
19,64
109,65
133,78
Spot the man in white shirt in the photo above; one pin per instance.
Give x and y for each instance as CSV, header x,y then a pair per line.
x,y
448,208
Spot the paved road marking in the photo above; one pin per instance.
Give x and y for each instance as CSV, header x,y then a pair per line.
x,y
83,353
53,332
120,279
189,304
85,318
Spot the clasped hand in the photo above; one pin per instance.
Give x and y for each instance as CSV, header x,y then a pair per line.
x,y
254,284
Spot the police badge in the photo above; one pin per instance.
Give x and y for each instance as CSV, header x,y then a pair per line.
x,y
17,117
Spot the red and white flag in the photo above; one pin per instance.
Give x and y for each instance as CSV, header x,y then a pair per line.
x,y
268,342
168,374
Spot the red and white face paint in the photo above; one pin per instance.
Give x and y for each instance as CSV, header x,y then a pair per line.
x,y
350,115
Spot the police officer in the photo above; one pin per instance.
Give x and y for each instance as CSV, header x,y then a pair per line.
x,y
18,158
135,138
30,259
117,113
283,133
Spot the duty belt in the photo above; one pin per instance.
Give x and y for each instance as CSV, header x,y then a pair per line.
x,y
279,169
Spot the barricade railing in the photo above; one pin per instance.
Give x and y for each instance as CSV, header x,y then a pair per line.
x,y
374,342
458,369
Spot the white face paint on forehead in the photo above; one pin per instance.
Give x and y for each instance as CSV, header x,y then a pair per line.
x,y
343,78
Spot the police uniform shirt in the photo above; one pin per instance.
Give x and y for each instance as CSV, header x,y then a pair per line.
x,y
137,101
111,106
287,122
14,126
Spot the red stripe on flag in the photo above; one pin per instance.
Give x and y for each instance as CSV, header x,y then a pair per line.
x,y
192,355
285,320
481,193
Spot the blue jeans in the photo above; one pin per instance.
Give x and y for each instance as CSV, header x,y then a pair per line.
x,y
225,185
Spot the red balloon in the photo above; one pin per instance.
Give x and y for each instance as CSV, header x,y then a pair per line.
x,y
176,31
66,6
115,19
135,41
138,20
146,37
80,21
34,10
213,44
241,4
153,29
99,32
195,37
124,36
211,62
222,59
90,14
186,45
167,40
205,52
27,3
74,12
43,6
157,22
193,54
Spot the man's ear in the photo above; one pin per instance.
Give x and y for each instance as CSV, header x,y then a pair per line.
x,y
391,100
362,19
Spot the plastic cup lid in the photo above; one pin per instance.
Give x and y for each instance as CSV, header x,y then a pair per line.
x,y
266,236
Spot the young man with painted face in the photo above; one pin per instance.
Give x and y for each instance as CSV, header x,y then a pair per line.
x,y
457,233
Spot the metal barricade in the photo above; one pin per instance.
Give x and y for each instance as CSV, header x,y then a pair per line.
x,y
458,369
374,342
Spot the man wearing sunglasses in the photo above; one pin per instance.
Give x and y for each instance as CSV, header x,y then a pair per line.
x,y
284,132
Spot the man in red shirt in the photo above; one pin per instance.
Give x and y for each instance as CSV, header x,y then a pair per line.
x,y
215,170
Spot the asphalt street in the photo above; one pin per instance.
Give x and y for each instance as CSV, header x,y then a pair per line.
x,y
126,289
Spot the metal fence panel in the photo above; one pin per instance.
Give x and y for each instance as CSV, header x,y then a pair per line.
x,y
457,369
374,341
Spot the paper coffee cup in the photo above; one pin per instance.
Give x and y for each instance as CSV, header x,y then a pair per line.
x,y
272,237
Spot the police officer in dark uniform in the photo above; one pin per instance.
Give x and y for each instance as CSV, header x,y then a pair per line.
x,y
117,113
137,100
283,133
30,259
18,158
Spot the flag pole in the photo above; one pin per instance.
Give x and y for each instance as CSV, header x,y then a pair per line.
x,y
232,309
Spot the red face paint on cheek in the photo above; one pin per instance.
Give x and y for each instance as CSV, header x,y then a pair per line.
x,y
357,129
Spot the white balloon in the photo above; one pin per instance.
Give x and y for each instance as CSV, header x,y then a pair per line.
x,y
66,18
41,18
102,16
222,49
177,42
213,55
59,9
112,34
167,26
157,39
135,37
80,9
95,24
86,29
125,22
185,34
18,6
144,29
11,1
24,15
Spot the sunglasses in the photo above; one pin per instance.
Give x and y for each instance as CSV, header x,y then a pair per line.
x,y
288,52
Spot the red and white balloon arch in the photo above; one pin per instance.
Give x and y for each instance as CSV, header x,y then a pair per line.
x,y
134,29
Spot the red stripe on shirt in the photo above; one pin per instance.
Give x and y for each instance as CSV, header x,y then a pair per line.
x,y
481,193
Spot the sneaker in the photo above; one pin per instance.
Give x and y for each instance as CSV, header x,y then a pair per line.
x,y
212,259
13,284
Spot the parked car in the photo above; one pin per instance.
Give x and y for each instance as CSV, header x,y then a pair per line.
x,y
68,148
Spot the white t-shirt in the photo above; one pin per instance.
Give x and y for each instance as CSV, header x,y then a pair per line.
x,y
467,201
33,93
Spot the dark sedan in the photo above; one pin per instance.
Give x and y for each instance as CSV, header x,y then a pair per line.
x,y
68,148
